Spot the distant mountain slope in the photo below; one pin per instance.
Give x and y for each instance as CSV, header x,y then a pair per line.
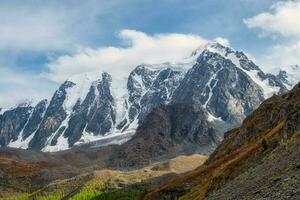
x,y
221,83
258,160
289,75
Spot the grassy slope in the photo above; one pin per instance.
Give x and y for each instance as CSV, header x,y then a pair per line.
x,y
111,184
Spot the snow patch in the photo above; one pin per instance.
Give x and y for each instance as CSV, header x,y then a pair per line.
x,y
2,111
120,94
212,118
90,137
82,82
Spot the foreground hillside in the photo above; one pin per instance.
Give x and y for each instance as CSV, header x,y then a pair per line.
x,y
259,160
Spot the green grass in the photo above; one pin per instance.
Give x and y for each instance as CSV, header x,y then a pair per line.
x,y
27,196
130,194
19,197
275,178
124,194
90,190
86,195
50,197
96,189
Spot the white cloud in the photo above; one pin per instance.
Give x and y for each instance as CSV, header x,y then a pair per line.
x,y
50,25
118,61
31,27
280,55
36,31
283,19
223,41
17,87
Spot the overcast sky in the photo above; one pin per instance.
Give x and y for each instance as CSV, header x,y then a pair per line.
x,y
44,42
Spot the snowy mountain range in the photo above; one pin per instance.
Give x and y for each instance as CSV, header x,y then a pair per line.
x,y
223,83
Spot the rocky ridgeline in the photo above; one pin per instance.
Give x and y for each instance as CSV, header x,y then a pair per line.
x,y
218,85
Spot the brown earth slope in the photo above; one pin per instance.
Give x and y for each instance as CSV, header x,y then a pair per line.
x,y
19,177
258,160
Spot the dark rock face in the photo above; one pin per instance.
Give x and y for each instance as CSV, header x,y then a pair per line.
x,y
102,115
140,79
12,123
167,131
95,114
53,118
283,77
78,119
224,90
149,89
35,119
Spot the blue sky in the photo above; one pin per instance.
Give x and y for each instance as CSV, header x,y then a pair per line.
x,y
37,36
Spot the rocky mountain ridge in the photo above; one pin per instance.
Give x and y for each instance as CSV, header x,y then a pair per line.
x,y
220,83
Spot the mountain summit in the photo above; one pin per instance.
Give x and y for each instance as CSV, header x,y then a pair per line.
x,y
222,84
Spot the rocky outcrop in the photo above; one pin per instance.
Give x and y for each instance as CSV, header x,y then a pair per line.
x,y
35,119
54,116
12,123
150,88
166,132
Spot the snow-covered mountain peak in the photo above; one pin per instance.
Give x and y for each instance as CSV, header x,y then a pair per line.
x,y
97,106
85,77
80,87
26,103
215,47
214,53
211,46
